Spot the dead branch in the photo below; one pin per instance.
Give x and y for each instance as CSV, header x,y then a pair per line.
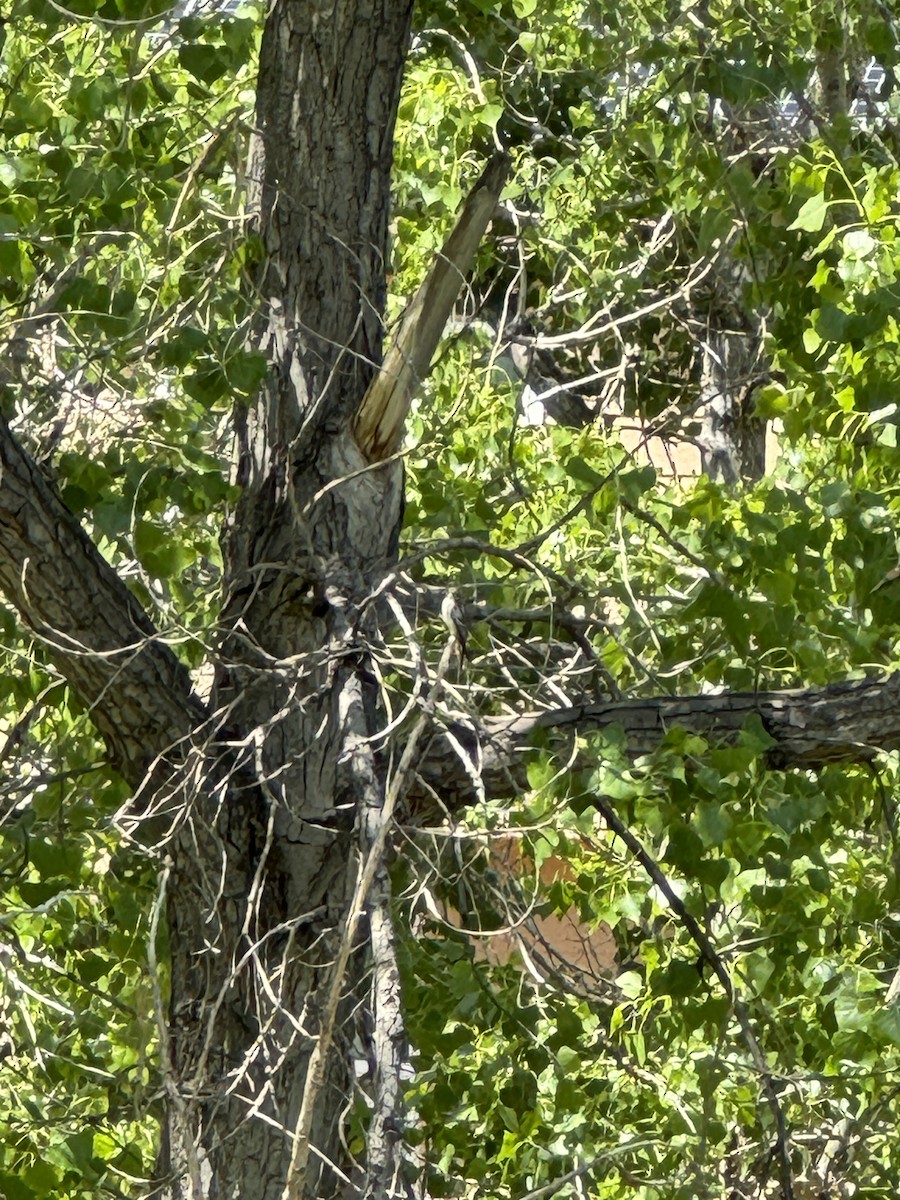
x,y
382,413
847,722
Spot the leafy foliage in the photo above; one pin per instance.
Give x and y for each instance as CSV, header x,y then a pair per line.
x,y
662,178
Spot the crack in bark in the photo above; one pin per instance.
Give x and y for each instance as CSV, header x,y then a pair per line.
x,y
261,980
142,702
846,722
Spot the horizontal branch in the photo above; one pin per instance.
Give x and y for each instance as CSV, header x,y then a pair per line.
x,y
843,723
97,634
141,700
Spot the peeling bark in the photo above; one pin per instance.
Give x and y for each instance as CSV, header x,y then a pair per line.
x,y
243,1018
732,438
313,530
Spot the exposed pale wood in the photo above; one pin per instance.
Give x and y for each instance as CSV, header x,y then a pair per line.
x,y
382,414
259,872
310,536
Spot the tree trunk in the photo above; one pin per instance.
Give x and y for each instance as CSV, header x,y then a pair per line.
x,y
732,438
264,1028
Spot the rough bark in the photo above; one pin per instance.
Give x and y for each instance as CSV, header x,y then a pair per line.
x,y
314,528
93,628
242,1019
732,438
847,722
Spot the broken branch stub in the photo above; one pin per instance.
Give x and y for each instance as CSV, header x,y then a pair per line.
x,y
381,417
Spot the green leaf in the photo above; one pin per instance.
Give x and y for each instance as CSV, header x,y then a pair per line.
x,y
14,1187
712,823
685,847
583,472
206,63
678,980
159,550
183,345
754,735
811,216
246,371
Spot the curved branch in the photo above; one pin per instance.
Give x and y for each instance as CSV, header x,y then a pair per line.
x,y
138,693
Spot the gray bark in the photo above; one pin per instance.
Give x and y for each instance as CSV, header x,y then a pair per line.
x,y
93,628
847,722
312,532
236,1054
732,439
